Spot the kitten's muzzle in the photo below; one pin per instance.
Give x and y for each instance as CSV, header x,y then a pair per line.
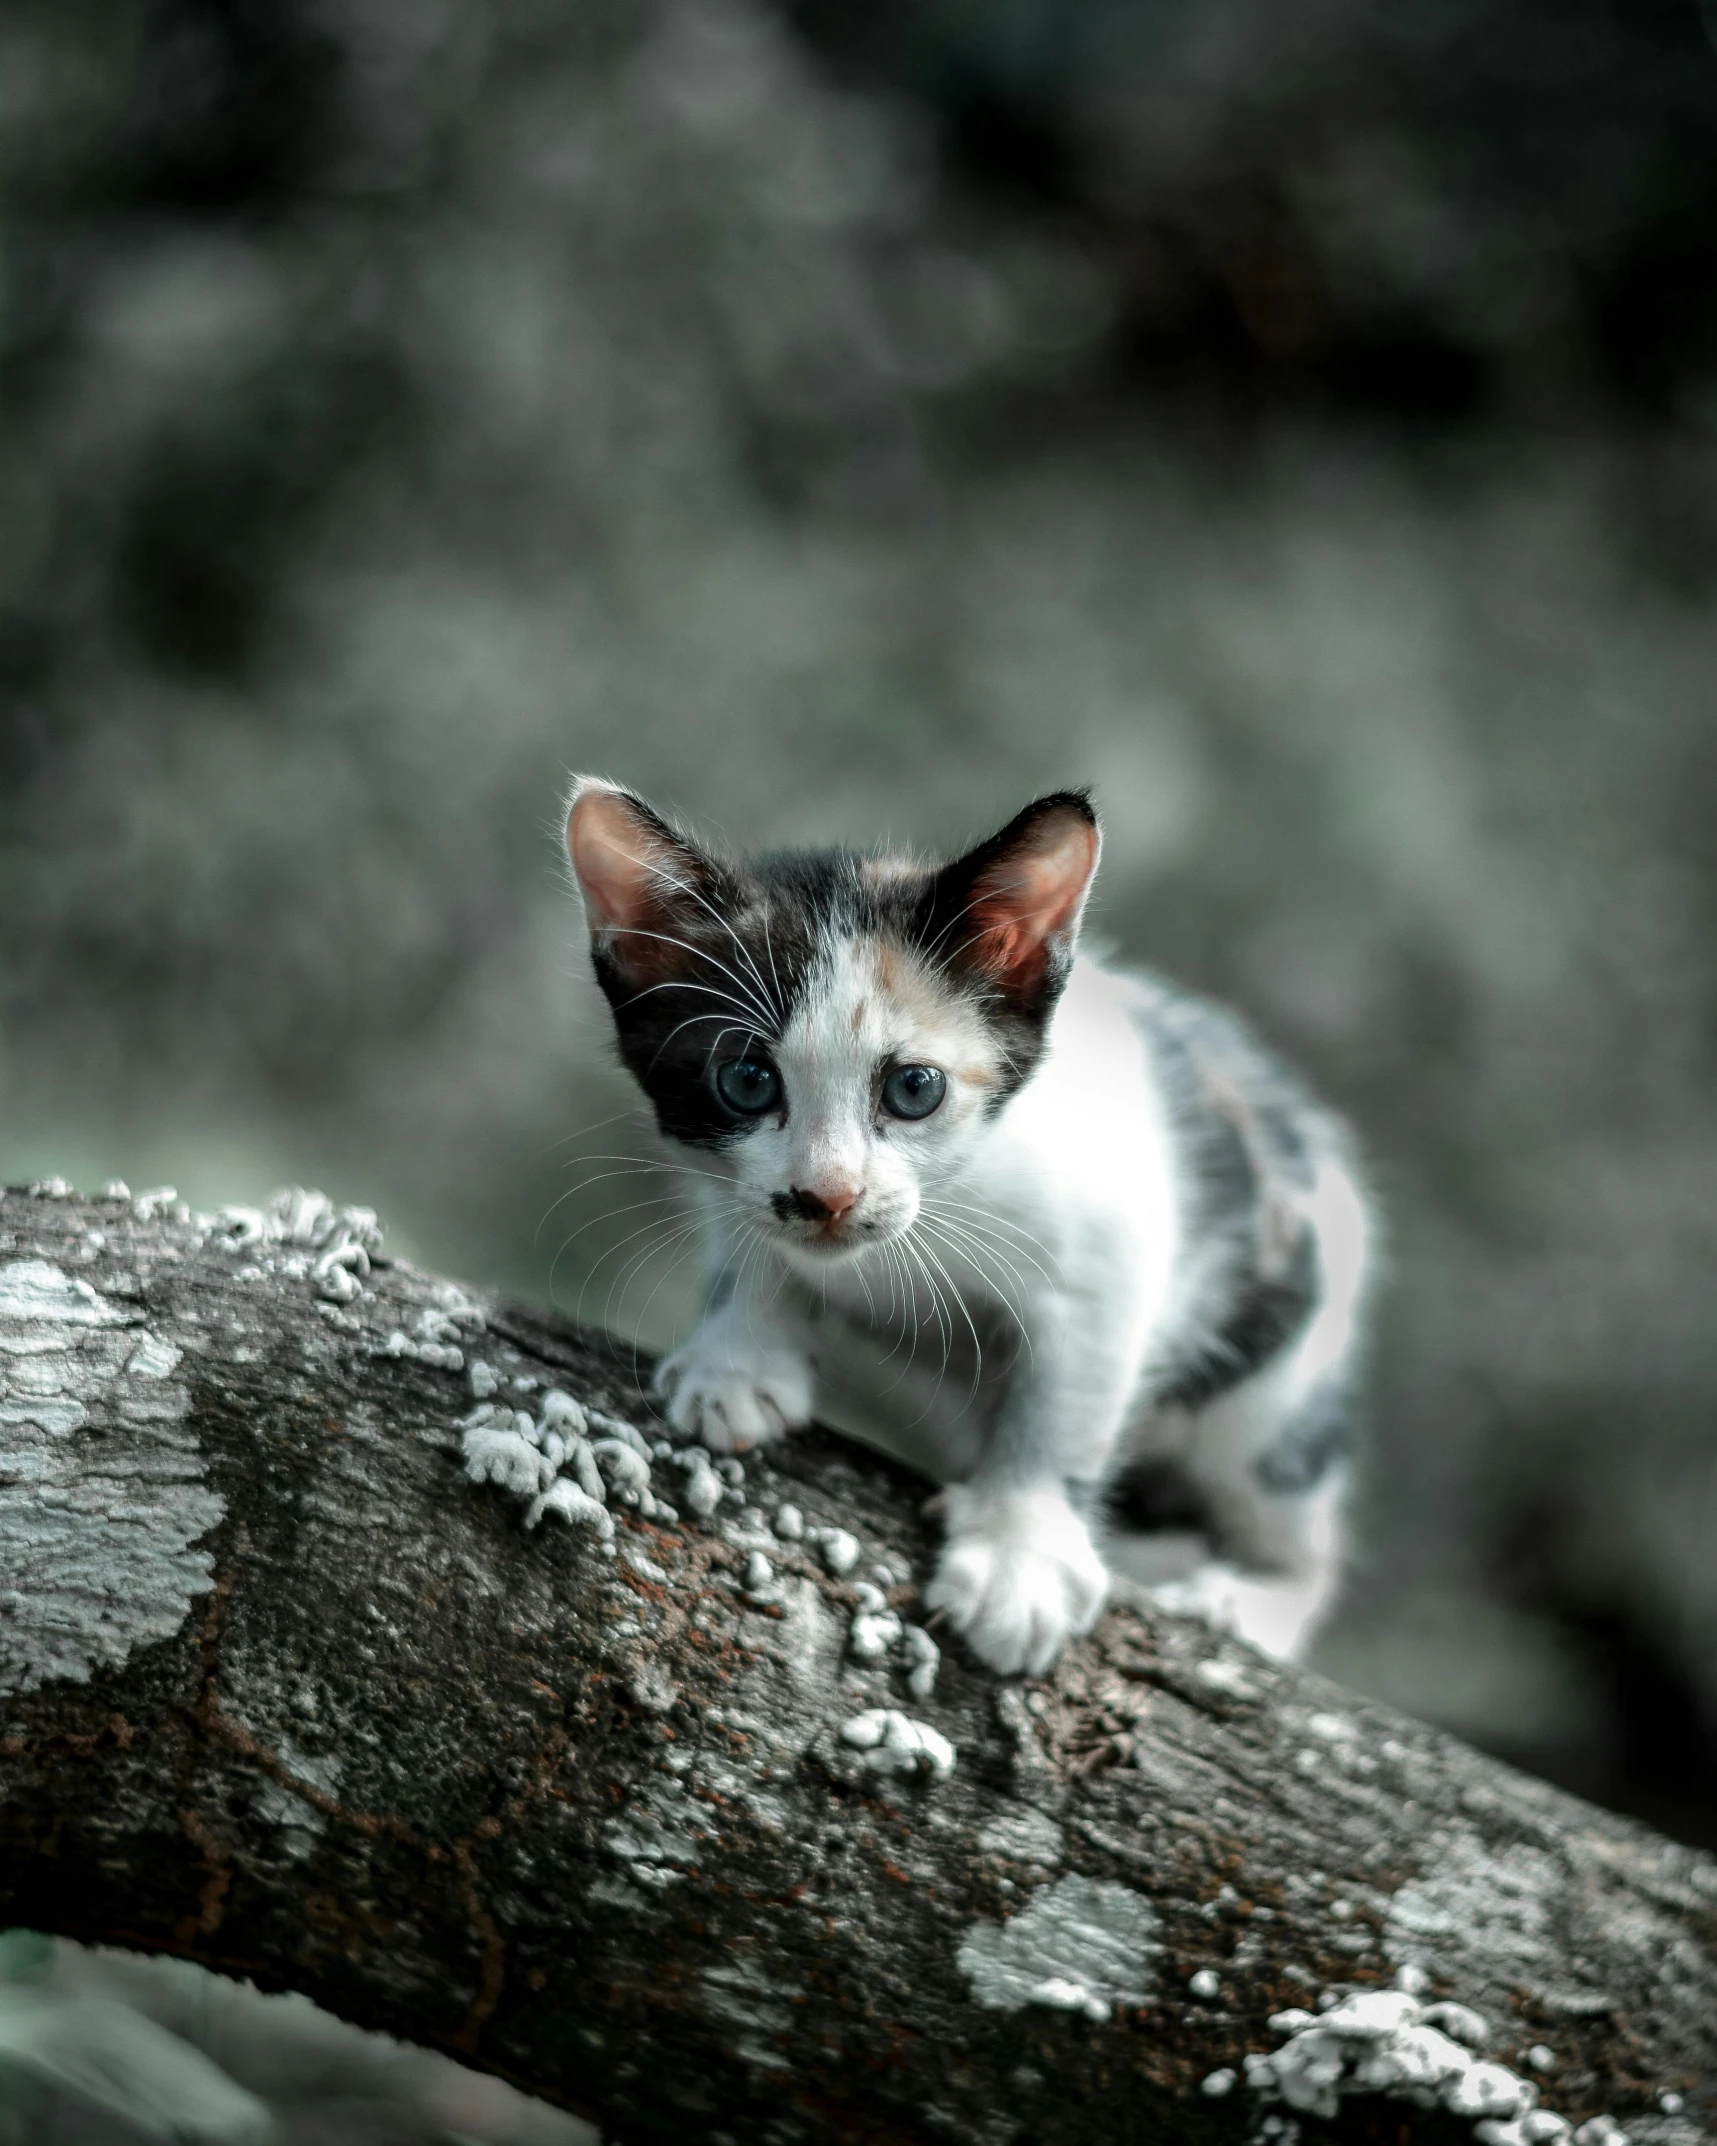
x,y
833,1222
829,1206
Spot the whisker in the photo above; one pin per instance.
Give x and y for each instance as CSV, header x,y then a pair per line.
x,y
1002,1298
965,1313
688,1245
744,951
977,1246
632,1207
572,1192
990,1218
769,949
743,1004
646,1162
944,1325
657,1223
632,1110
756,999
687,1233
691,1020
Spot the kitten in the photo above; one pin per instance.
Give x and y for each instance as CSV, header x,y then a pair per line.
x,y
1066,1239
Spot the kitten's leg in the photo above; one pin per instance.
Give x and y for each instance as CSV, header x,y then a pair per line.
x,y
1271,1467
1268,1460
1020,1573
742,1377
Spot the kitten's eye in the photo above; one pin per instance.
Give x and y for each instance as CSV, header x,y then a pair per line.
x,y
748,1085
913,1091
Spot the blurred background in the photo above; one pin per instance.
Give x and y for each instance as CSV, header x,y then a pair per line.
x,y
841,419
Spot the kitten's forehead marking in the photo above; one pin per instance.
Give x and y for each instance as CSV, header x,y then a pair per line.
x,y
891,871
893,1004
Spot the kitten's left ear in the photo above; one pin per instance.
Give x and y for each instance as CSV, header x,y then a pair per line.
x,y
1010,908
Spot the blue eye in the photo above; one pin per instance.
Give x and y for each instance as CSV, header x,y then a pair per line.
x,y
748,1085
913,1091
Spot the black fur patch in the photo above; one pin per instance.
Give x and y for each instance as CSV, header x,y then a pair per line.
x,y
742,949
1263,1316
1153,1496
1244,1129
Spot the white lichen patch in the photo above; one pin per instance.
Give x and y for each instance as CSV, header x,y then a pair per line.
x,y
875,1628
1024,1836
1083,1944
1225,1676
1501,1906
894,1744
1387,2042
299,1818
654,1845
1457,2020
102,1486
626,1470
496,1452
923,1659
568,1459
564,1498
704,1488
839,1550
298,1233
153,1358
1377,2043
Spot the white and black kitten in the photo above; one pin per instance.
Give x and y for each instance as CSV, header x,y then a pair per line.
x,y
1067,1239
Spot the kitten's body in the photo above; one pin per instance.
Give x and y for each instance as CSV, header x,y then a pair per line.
x,y
1111,1277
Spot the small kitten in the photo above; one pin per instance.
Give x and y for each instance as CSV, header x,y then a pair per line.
x,y
1066,1239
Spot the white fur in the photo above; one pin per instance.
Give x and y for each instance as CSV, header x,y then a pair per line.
x,y
1053,1227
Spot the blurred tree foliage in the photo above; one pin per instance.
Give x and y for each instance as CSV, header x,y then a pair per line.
x,y
1301,423
1428,207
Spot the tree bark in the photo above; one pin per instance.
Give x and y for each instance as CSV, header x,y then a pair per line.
x,y
284,1692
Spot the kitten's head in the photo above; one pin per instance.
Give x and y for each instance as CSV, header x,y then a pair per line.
x,y
833,1028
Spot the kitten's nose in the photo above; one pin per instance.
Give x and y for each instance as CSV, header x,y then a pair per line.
x,y
832,1204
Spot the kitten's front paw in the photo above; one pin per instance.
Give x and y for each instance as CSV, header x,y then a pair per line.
x,y
734,1389
1018,1578
1277,1616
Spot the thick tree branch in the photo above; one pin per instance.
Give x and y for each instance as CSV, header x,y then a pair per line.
x,y
281,1690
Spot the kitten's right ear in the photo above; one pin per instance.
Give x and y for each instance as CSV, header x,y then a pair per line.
x,y
642,882
1009,910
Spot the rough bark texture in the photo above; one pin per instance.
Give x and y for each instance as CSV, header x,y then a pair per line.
x,y
283,1692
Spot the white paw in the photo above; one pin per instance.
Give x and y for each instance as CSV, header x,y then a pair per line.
x,y
1019,1577
734,1388
1276,1616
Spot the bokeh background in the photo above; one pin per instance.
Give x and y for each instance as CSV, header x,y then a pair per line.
x,y
846,418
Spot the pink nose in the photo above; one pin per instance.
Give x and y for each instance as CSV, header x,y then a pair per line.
x,y
832,1204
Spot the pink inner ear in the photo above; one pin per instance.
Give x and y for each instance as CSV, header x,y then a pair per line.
x,y
623,865
1031,897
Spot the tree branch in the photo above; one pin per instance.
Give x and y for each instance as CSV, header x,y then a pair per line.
x,y
283,1691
